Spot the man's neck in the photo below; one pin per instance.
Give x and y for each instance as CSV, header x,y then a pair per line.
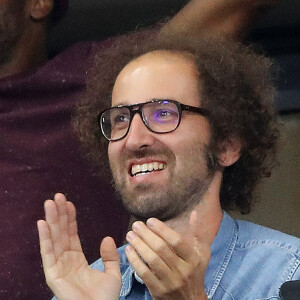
x,y
29,53
208,209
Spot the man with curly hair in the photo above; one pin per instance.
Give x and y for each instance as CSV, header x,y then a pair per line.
x,y
189,129
39,151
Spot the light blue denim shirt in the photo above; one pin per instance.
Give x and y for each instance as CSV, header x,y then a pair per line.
x,y
248,262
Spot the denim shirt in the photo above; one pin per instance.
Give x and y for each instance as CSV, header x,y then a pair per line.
x,y
248,262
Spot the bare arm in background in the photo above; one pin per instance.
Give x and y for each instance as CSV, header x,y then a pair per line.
x,y
218,18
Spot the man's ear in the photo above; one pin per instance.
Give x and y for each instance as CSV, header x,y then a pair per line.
x,y
230,152
40,9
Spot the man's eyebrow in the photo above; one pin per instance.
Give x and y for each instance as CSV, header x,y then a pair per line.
x,y
148,100
120,104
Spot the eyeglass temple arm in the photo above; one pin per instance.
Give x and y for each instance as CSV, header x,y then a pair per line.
x,y
198,110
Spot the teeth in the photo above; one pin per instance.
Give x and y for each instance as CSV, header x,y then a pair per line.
x,y
146,168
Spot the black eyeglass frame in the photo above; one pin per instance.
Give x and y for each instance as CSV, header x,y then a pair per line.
x,y
138,107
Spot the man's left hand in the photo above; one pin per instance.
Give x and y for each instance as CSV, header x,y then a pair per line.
x,y
171,265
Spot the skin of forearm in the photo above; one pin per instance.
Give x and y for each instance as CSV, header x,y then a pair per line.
x,y
217,18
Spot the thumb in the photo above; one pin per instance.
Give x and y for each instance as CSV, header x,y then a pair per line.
x,y
199,228
110,256
196,228
202,237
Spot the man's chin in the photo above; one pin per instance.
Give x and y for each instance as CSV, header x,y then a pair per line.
x,y
142,215
142,192
150,205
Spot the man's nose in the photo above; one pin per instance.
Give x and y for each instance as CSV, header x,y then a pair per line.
x,y
139,135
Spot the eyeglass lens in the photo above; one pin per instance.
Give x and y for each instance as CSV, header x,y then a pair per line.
x,y
158,116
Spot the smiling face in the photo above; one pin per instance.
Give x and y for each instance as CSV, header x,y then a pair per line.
x,y
160,175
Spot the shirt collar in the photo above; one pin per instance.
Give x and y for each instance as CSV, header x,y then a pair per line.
x,y
127,280
221,251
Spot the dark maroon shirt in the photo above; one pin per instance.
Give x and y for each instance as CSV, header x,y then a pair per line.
x,y
40,155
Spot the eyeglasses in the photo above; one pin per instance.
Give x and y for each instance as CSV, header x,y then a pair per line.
x,y
158,115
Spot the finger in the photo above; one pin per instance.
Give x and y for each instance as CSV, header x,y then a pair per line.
x,y
202,238
46,245
51,216
53,219
60,201
61,204
75,243
155,263
142,270
183,258
110,256
198,228
176,241
157,244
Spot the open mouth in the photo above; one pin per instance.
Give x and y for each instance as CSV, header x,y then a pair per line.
x,y
138,170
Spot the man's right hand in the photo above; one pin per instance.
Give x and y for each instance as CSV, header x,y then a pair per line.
x,y
66,269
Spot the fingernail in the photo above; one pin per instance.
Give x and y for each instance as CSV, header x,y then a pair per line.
x,y
130,236
136,226
128,249
151,222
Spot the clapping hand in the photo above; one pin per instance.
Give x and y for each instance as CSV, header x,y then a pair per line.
x,y
170,264
66,269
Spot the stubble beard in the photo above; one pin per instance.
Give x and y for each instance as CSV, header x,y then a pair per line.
x,y
183,191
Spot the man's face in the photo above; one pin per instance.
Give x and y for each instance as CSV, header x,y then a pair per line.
x,y
12,23
182,179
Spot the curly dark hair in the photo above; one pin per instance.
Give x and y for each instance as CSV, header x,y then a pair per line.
x,y
236,87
